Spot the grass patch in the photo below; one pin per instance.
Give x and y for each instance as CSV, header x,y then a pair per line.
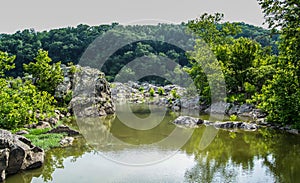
x,y
45,141
40,138
38,131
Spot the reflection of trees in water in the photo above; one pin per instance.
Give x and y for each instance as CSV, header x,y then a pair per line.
x,y
228,153
209,171
55,157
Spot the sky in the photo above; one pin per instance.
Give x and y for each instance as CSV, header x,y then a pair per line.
x,y
44,15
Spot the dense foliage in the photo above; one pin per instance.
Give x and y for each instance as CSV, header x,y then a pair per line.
x,y
22,102
267,76
280,97
241,60
47,77
68,44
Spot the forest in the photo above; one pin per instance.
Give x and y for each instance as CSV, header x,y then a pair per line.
x,y
260,66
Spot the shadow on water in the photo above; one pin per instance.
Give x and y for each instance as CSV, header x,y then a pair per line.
x,y
233,156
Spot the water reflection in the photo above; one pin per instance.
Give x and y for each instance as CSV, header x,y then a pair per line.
x,y
236,156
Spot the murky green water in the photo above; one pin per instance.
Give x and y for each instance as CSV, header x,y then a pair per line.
x,y
110,151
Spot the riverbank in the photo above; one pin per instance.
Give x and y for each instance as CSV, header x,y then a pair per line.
x,y
178,99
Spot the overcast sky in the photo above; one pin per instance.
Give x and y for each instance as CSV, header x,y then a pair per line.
x,y
42,15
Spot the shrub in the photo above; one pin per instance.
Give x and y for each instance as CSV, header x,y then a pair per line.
x,y
152,92
20,102
161,91
233,117
174,94
141,89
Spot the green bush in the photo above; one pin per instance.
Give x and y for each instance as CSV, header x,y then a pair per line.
x,y
20,102
141,89
239,98
152,92
174,94
233,117
161,91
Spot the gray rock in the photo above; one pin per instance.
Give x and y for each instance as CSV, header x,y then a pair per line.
x,y
234,110
293,131
18,153
249,126
228,124
223,124
245,110
22,132
64,129
4,154
257,113
42,125
218,108
176,108
53,121
67,141
190,103
188,121
262,122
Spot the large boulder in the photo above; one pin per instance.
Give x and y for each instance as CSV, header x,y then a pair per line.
x,y
18,153
91,93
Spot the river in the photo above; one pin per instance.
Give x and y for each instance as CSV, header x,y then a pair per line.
x,y
111,151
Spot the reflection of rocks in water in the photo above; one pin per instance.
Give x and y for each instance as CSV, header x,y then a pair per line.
x,y
96,130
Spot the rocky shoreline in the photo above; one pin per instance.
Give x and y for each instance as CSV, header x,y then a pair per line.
x,y
93,96
177,98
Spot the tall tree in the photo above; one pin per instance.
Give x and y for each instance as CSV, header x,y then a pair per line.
x,y
47,76
281,96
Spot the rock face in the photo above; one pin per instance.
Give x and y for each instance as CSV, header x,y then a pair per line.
x,y
218,108
89,90
18,153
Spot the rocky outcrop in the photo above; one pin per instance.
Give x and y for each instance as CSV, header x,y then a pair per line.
x,y
171,96
18,153
187,121
134,92
88,91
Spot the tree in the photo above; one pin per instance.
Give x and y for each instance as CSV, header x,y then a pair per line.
x,y
209,28
281,96
6,62
47,77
